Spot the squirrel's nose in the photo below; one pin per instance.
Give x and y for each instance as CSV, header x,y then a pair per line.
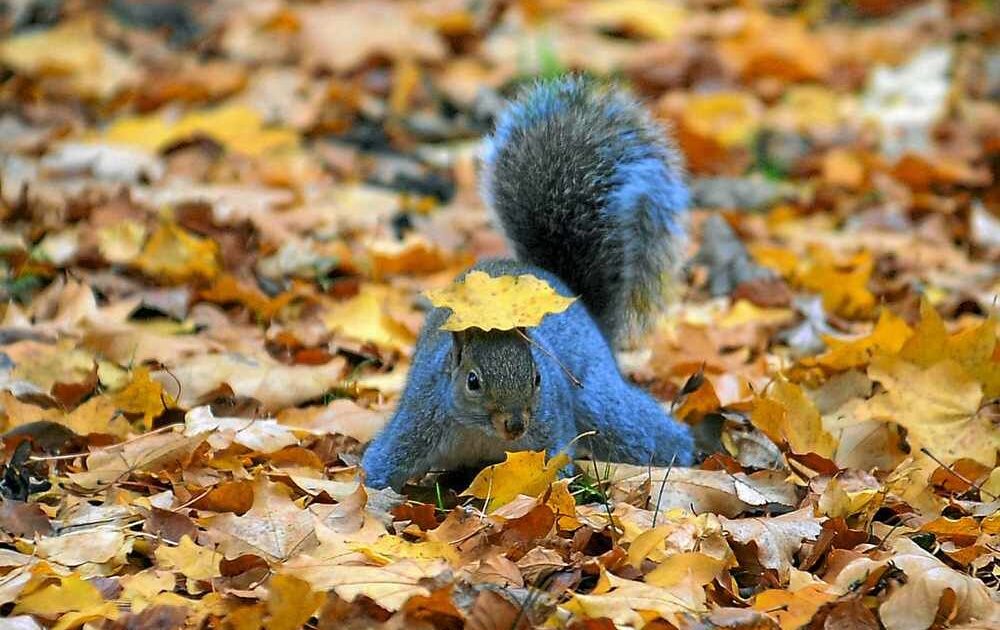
x,y
515,424
510,424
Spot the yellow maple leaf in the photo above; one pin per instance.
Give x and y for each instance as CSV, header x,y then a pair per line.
x,y
80,618
291,603
787,416
72,593
192,560
563,505
842,284
647,18
365,318
142,395
388,549
729,118
887,337
237,127
72,51
120,242
498,303
781,260
45,364
175,255
631,603
648,542
973,348
524,472
793,609
840,499
226,288
695,566
97,415
938,405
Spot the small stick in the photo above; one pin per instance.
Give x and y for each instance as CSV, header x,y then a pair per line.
x,y
663,484
544,350
927,452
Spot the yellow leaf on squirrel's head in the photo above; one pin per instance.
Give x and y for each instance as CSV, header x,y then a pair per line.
x,y
525,472
498,303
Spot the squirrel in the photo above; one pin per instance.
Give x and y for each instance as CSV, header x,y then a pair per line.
x,y
591,197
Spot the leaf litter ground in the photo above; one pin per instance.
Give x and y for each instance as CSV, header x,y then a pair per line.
x,y
217,225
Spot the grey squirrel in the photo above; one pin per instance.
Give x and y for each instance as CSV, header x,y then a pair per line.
x,y
592,200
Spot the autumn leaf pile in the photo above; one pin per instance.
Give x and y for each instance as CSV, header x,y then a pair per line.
x,y
217,224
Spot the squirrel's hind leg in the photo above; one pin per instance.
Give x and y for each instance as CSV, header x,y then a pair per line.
x,y
631,426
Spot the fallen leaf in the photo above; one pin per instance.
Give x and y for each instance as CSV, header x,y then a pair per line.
x,y
142,395
777,538
972,348
626,602
365,318
97,545
175,255
343,36
274,528
888,336
914,604
388,549
939,406
793,609
645,18
238,127
262,378
147,453
71,49
389,586
291,603
192,560
786,415
697,567
524,472
262,436
343,416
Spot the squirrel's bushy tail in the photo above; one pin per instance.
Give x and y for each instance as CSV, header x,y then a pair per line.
x,y
586,185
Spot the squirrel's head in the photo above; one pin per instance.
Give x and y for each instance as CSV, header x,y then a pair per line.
x,y
494,380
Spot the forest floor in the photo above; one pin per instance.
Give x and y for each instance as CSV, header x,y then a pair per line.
x,y
216,223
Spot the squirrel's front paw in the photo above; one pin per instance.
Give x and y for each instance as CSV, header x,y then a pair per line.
x,y
378,472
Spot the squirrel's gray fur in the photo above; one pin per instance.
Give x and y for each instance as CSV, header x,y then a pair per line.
x,y
592,199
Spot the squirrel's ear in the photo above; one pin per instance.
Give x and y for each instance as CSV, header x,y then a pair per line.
x,y
459,338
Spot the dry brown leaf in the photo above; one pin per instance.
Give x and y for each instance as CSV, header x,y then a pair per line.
x,y
259,377
915,603
275,528
777,538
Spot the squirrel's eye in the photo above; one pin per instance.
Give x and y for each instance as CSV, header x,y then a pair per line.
x,y
472,382
538,379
